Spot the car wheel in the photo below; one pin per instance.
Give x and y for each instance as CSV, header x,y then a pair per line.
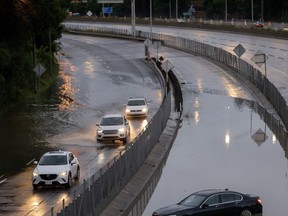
x,y
69,181
35,187
246,212
77,177
99,140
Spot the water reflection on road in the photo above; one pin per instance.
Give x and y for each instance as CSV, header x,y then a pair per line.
x,y
217,147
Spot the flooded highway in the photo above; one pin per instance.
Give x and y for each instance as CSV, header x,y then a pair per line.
x,y
213,149
92,81
223,142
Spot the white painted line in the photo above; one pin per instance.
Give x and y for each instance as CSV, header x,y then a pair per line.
x,y
27,164
3,180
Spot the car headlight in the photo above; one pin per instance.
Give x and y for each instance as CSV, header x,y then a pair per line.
x,y
99,130
121,130
144,109
35,173
63,173
127,110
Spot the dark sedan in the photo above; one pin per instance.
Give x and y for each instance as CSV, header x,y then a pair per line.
x,y
214,202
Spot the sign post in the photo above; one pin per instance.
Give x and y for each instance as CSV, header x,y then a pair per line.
x,y
39,70
147,44
239,50
167,66
259,59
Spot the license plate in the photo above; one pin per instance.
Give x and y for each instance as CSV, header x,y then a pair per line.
x,y
48,182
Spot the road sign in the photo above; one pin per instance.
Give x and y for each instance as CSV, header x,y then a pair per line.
x,y
187,13
39,69
259,58
239,50
167,66
107,10
157,44
147,42
259,137
89,13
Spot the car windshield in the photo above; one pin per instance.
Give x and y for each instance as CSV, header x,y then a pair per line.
x,y
136,102
193,201
112,121
53,160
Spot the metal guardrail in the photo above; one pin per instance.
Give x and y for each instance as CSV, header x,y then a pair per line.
x,y
95,198
217,54
109,181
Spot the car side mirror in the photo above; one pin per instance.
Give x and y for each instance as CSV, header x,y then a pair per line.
x,y
35,162
72,162
205,205
97,124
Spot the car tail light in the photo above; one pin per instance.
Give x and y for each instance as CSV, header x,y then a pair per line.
x,y
259,200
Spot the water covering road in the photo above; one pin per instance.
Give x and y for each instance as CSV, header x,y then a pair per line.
x,y
213,148
97,77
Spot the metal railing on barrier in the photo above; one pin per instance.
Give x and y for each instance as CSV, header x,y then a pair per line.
x,y
105,184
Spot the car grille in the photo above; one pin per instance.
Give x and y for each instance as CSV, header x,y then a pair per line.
x,y
48,176
110,131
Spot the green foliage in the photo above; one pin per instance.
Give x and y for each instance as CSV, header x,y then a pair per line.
x,y
28,29
273,10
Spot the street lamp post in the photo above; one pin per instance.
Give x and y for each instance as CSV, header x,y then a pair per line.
x,y
225,10
170,9
133,17
252,15
176,9
262,11
150,19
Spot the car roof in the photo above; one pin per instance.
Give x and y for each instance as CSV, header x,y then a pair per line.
x,y
60,152
137,98
112,115
209,192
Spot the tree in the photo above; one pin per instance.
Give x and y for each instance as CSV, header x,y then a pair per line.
x,y
26,27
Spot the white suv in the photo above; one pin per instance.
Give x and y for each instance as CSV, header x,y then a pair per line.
x,y
136,106
113,127
56,168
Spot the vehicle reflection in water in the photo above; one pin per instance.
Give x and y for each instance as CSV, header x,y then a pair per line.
x,y
227,139
36,203
144,124
196,113
220,152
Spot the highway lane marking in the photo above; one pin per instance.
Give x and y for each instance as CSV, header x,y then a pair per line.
x,y
3,180
27,164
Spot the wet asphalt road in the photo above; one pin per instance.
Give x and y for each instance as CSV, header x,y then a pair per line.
x,y
97,77
214,143
215,147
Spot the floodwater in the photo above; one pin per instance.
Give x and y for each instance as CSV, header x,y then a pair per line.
x,y
217,148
